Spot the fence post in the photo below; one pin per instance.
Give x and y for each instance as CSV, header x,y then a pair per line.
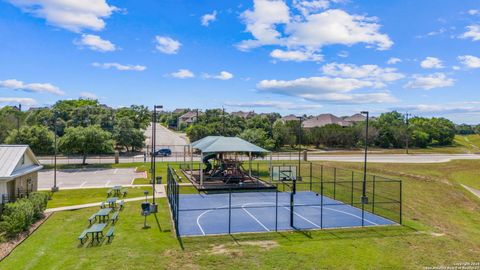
x,y
276,208
229,210
311,176
321,200
353,176
373,196
401,202
334,183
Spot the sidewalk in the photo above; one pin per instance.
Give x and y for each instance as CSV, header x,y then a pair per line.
x,y
472,190
159,193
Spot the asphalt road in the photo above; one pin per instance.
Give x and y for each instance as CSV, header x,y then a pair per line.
x,y
166,139
88,178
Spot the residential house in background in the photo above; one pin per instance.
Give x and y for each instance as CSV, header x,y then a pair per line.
x,y
355,118
324,119
18,172
188,118
290,117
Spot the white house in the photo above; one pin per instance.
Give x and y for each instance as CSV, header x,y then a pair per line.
x,y
18,171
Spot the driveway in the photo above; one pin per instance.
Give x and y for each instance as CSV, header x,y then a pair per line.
x,y
167,139
88,178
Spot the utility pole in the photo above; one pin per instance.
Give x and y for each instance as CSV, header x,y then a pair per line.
x,y
300,119
55,128
407,131
223,121
18,116
364,186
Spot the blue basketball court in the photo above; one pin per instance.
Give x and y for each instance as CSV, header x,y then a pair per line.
x,y
211,214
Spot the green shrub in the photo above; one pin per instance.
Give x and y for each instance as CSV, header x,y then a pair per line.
x,y
39,201
17,217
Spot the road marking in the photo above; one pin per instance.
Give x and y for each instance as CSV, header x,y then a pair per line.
x,y
108,182
115,172
83,184
252,216
302,217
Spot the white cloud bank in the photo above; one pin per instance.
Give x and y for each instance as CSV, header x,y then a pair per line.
x,y
31,87
394,60
367,72
182,74
95,43
469,61
223,75
473,32
427,82
271,22
17,100
119,66
167,45
282,105
72,15
431,62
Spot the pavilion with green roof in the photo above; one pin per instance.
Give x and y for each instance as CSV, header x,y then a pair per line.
x,y
228,155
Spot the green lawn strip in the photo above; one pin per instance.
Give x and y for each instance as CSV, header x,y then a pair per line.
x,y
68,197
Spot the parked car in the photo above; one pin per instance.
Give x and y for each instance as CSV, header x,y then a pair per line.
x,y
164,152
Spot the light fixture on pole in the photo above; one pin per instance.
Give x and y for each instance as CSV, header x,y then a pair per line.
x,y
364,186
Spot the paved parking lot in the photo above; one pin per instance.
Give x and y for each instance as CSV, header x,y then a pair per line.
x,y
88,178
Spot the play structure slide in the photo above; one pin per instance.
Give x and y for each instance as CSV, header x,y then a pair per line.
x,y
207,162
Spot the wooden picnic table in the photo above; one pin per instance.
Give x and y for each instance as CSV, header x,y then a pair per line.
x,y
117,189
97,229
103,214
112,202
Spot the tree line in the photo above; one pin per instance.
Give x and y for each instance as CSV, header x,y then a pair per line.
x,y
82,126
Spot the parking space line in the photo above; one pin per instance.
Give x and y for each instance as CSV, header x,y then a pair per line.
x,y
83,184
108,182
115,172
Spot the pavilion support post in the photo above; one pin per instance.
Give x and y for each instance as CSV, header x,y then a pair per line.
x,y
191,159
200,169
250,164
270,167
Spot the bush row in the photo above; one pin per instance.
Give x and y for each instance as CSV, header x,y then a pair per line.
x,y
18,216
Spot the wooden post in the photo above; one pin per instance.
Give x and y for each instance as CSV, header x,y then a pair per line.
x,y
190,150
250,164
200,169
270,167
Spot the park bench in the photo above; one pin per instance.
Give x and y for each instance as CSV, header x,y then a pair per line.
x,y
109,192
83,236
92,218
102,205
121,204
110,233
114,217
124,192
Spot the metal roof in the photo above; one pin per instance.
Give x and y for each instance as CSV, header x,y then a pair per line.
x,y
10,156
219,144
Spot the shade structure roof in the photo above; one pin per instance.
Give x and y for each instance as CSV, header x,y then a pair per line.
x,y
219,144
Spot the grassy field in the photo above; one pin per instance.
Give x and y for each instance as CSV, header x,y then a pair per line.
x,y
441,228
67,197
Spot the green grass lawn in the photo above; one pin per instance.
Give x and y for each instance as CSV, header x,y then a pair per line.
x,y
441,228
69,197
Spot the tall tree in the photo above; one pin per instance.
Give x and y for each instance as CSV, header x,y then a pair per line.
x,y
39,138
85,141
127,136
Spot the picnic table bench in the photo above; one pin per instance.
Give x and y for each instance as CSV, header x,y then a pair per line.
x,y
124,192
112,202
95,230
109,192
114,217
110,233
121,204
103,214
92,218
83,236
116,190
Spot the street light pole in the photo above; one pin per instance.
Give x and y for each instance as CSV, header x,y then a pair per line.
x,y
154,141
364,186
55,128
408,134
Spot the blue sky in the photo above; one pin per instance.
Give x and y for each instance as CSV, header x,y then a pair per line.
x,y
317,56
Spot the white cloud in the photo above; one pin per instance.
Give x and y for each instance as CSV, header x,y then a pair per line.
x,y
297,56
307,7
343,54
223,75
473,12
393,60
96,43
282,105
427,82
457,107
31,87
167,45
326,89
366,72
431,62
16,100
272,23
456,68
88,95
182,74
207,18
69,14
119,66
470,61
473,32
